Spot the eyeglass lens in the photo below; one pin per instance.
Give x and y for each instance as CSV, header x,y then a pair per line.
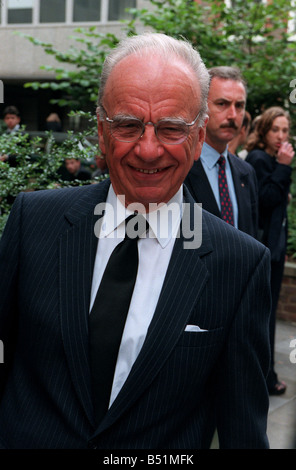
x,y
131,130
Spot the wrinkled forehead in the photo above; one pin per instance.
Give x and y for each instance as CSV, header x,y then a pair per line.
x,y
228,89
152,77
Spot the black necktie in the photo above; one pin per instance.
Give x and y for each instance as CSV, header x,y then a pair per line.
x,y
108,315
225,201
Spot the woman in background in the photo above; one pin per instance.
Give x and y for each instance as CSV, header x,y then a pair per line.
x,y
271,155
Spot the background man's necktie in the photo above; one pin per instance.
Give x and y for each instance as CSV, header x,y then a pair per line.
x,y
108,315
226,205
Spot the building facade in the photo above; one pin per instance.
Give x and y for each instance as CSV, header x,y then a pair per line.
x,y
54,22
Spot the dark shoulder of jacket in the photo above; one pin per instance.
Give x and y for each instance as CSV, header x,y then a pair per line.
x,y
61,199
257,154
242,165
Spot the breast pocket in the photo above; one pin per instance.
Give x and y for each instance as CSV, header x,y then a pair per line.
x,y
201,339
190,366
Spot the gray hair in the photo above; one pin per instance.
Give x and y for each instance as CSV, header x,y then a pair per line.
x,y
164,46
228,73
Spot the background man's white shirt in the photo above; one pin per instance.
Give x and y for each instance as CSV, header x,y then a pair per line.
x,y
209,158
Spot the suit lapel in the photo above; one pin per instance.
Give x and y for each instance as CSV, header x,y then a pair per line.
x,y
183,284
77,249
200,188
241,185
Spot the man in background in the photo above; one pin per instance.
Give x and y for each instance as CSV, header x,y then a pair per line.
x,y
236,145
226,102
76,171
12,119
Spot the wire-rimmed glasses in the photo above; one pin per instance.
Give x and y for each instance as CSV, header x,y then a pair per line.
x,y
168,131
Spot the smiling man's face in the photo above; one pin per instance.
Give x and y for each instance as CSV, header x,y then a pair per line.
x,y
147,170
226,103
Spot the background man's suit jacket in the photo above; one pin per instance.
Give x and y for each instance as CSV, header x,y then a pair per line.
x,y
182,384
245,184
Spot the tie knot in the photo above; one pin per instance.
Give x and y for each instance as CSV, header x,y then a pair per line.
x,y
221,160
135,226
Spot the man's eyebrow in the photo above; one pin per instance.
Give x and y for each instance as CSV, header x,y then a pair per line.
x,y
124,116
225,100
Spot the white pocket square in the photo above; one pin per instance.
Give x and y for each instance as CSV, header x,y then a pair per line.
x,y
194,328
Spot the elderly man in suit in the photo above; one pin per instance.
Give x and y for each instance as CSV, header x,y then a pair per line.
x,y
193,353
226,101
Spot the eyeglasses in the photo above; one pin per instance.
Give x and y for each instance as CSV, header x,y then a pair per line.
x,y
168,131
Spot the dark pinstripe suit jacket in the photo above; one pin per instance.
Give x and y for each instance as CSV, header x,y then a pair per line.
x,y
246,190
182,385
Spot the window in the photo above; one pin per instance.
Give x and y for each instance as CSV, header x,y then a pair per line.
x,y
42,12
86,10
19,11
117,9
53,11
292,20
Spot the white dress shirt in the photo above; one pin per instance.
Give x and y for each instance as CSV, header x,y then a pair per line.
x,y
154,255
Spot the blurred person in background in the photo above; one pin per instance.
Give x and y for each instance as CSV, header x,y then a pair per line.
x,y
101,166
12,119
236,145
271,155
76,171
53,123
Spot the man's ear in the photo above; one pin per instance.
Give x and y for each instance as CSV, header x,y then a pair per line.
x,y
201,139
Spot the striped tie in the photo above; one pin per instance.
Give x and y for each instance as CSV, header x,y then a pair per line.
x,y
225,201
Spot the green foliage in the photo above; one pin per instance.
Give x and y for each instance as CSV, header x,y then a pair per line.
x,y
33,169
37,167
291,249
249,35
21,177
78,77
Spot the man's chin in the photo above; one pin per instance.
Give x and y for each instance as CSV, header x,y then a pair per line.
x,y
148,198
228,133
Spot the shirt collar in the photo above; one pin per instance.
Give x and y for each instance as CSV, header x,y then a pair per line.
x,y
16,128
163,222
210,156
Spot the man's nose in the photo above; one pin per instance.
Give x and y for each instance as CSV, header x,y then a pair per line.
x,y
232,112
149,146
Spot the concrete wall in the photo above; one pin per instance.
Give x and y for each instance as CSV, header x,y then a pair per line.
x,y
20,62
19,59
